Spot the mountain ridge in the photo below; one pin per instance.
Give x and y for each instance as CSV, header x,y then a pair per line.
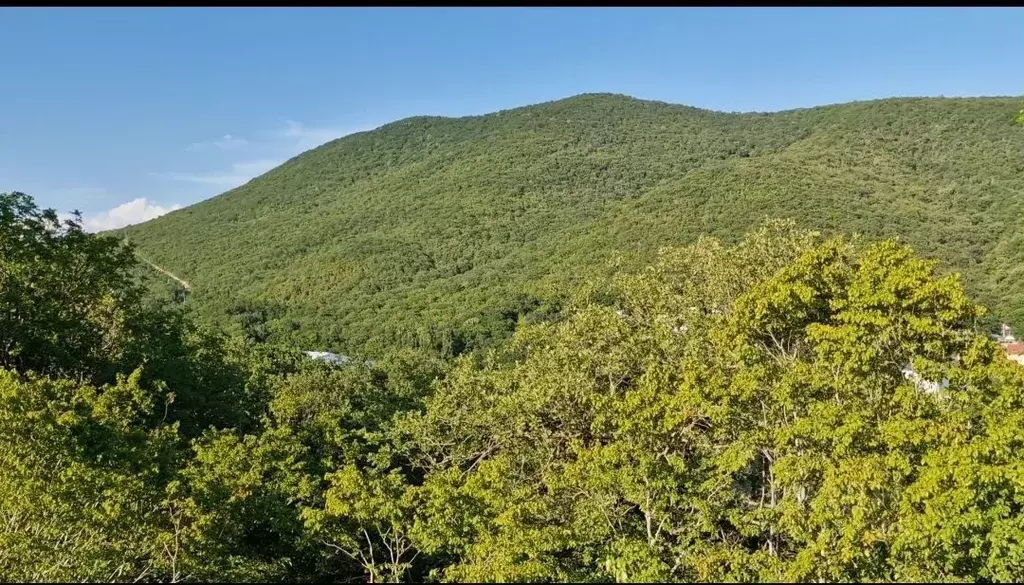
x,y
603,95
429,223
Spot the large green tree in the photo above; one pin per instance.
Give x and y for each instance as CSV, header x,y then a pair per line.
x,y
81,481
68,305
745,413
100,392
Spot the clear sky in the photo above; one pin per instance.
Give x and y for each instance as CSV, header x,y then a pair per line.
x,y
162,107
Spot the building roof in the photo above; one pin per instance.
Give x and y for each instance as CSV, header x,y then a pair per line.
x,y
1014,348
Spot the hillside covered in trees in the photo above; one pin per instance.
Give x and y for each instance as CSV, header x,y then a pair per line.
x,y
443,233
728,412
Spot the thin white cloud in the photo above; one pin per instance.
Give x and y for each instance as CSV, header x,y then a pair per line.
x,y
226,142
295,138
255,168
304,138
239,174
132,212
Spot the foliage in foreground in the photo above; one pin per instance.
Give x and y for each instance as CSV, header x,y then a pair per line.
x,y
738,412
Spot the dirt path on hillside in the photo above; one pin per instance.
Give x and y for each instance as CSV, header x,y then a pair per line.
x,y
185,285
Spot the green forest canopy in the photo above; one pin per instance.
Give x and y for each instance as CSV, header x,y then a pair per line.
x,y
728,412
443,233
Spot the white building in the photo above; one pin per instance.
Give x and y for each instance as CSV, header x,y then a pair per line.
x,y
335,359
332,358
922,384
1005,335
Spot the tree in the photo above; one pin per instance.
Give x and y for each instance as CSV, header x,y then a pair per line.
x,y
368,517
100,391
236,514
737,413
81,480
68,305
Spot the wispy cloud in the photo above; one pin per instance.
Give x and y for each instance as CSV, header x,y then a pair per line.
x,y
132,212
239,174
273,148
306,138
226,142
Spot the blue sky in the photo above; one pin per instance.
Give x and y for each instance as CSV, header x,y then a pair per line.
x,y
152,108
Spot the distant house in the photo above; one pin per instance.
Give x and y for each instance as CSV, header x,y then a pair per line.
x,y
1015,351
332,358
335,359
1005,335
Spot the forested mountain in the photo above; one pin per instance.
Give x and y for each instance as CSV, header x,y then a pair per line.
x,y
792,408
442,232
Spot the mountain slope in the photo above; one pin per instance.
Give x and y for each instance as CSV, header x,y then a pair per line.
x,y
442,231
